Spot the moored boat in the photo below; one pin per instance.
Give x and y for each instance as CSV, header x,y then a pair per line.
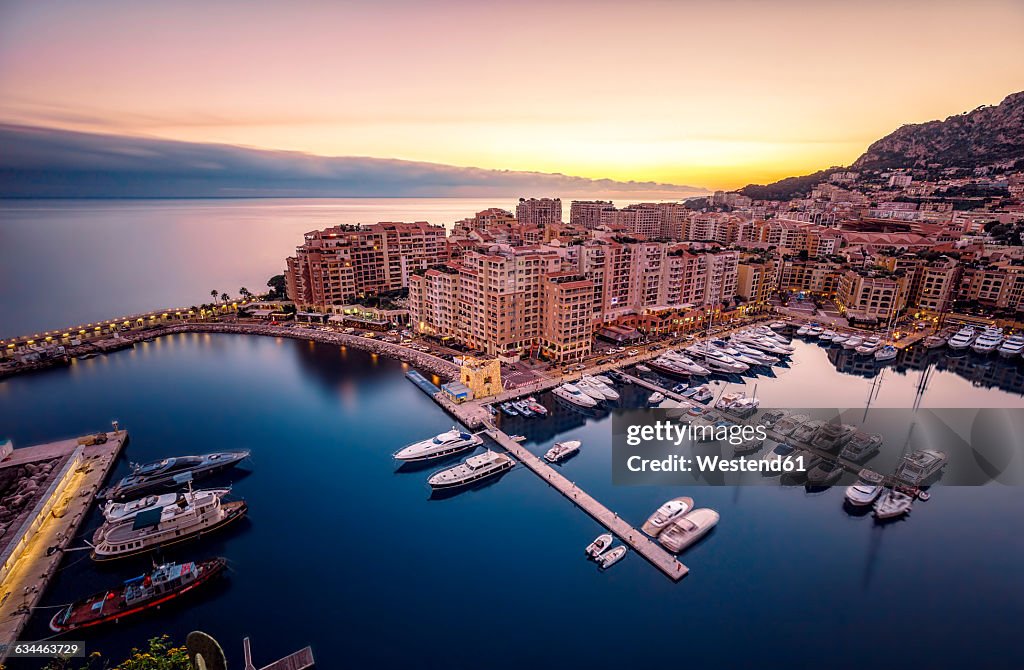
x,y
853,341
963,338
988,341
893,504
937,341
866,490
861,446
687,529
656,398
869,347
445,444
562,450
574,395
886,353
115,511
1012,346
472,470
599,545
919,467
666,514
172,473
611,557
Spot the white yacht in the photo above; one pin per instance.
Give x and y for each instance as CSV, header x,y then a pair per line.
x,y
892,504
886,353
599,545
917,468
815,331
735,354
767,343
607,392
702,393
772,417
963,338
870,346
605,380
562,450
802,330
786,425
737,401
839,338
866,490
472,470
589,389
687,529
685,363
717,360
666,514
827,336
833,435
443,444
861,446
610,558
988,341
762,357
115,511
853,341
1012,346
656,398
574,395
806,431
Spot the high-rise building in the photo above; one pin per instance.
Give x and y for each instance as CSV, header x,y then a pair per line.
x,y
587,213
539,211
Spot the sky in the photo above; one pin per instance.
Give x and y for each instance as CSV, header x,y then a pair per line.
x,y
714,94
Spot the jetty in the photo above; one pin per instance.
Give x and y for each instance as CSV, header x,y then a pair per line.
x,y
53,486
651,386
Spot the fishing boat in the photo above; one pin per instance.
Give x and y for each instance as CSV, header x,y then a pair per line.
x,y
445,444
920,466
172,473
115,511
666,514
574,395
472,470
599,545
161,527
866,490
163,584
611,557
893,504
853,342
1012,346
988,341
562,450
938,341
656,398
963,338
886,353
687,529
861,446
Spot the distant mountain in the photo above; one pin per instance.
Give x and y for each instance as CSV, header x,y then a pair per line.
x,y
50,163
983,136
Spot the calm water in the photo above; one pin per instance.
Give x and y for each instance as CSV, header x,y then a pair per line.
x,y
344,553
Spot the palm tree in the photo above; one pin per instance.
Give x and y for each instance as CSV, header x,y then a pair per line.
x,y
245,293
224,297
213,294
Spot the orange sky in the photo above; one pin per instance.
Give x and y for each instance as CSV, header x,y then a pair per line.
x,y
713,94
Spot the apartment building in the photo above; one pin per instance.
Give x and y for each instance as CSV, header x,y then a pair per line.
x,y
756,282
811,275
995,285
938,285
587,213
336,265
871,295
566,329
539,211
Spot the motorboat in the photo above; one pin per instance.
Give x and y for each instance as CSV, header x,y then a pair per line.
x,y
833,435
611,557
517,438
786,425
886,353
599,545
815,331
825,473
732,352
802,330
685,363
642,368
869,347
893,504
806,431
839,338
702,393
679,388
737,401
160,527
172,473
607,392
536,407
562,450
444,444
604,380
827,336
781,452
749,446
853,342
507,409
988,341
666,514
861,446
938,341
656,398
717,360
523,408
866,490
115,511
164,583
616,376
589,389
687,529
762,342
778,325
963,338
574,395
1012,346
920,466
472,470
772,417
762,357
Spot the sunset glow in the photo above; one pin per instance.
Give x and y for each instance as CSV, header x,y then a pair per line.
x,y
713,95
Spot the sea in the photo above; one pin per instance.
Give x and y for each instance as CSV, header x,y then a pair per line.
x,y
349,553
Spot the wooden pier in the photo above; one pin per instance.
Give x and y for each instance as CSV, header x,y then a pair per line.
x,y
640,543
651,386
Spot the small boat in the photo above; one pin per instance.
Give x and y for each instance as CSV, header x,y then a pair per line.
x,y
508,410
656,398
892,504
866,490
439,446
802,330
806,431
1012,346
702,393
833,435
172,473
853,342
870,346
522,408
772,417
679,388
815,331
786,425
737,401
861,446
988,341
642,368
886,353
115,511
472,470
599,545
778,325
610,558
751,446
937,341
839,338
781,452
574,395
666,514
517,438
562,450
687,529
963,338
827,336
920,466
536,407
164,583
825,473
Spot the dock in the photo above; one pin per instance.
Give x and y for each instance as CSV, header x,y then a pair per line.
x,y
32,552
636,539
651,386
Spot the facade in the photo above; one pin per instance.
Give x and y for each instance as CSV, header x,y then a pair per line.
x,y
872,296
481,376
539,211
587,213
756,282
566,330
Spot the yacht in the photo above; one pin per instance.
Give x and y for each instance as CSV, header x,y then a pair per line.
x,y
886,353
750,446
589,389
786,425
562,450
1012,346
866,490
642,368
574,395
604,380
892,504
806,431
802,330
988,341
853,342
825,473
472,470
607,392
935,342
772,417
702,393
115,511
523,408
869,347
827,336
832,436
919,467
839,338
778,325
732,352
599,545
536,407
172,473
815,331
780,452
963,338
160,527
737,401
861,446
656,398
685,363
666,514
687,529
716,360
765,343
610,558
444,444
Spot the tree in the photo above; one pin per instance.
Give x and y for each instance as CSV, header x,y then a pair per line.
x,y
278,287
213,294
245,293
224,297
